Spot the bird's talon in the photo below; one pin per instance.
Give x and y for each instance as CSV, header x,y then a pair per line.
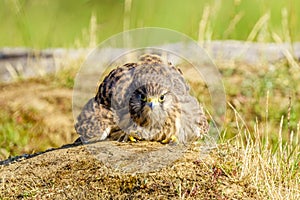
x,y
165,141
172,140
132,139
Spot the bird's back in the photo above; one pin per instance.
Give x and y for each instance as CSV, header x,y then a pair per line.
x,y
149,68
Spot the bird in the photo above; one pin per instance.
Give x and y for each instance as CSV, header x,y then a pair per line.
x,y
144,100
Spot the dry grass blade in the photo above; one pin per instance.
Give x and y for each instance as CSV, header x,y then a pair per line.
x,y
12,71
203,24
258,26
232,25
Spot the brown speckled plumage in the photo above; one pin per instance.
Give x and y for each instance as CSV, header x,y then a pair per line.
x,y
148,100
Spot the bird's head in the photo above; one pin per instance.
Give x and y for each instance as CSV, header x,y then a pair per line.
x,y
149,105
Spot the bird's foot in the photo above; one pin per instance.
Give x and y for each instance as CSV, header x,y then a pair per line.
x,y
171,140
133,137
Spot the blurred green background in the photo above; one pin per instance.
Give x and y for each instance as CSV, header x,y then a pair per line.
x,y
259,93
67,23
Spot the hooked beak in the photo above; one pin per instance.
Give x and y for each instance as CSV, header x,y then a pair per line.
x,y
152,102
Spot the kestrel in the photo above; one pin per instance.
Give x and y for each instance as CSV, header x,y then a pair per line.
x,y
145,100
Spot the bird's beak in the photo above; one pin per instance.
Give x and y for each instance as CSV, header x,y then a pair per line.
x,y
152,102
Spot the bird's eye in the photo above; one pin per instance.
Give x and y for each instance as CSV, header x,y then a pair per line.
x,y
161,98
143,97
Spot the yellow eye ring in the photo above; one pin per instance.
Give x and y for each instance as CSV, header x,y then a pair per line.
x,y
161,98
143,97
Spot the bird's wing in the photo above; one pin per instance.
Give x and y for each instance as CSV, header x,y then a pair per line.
x,y
193,121
121,76
95,122
97,119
